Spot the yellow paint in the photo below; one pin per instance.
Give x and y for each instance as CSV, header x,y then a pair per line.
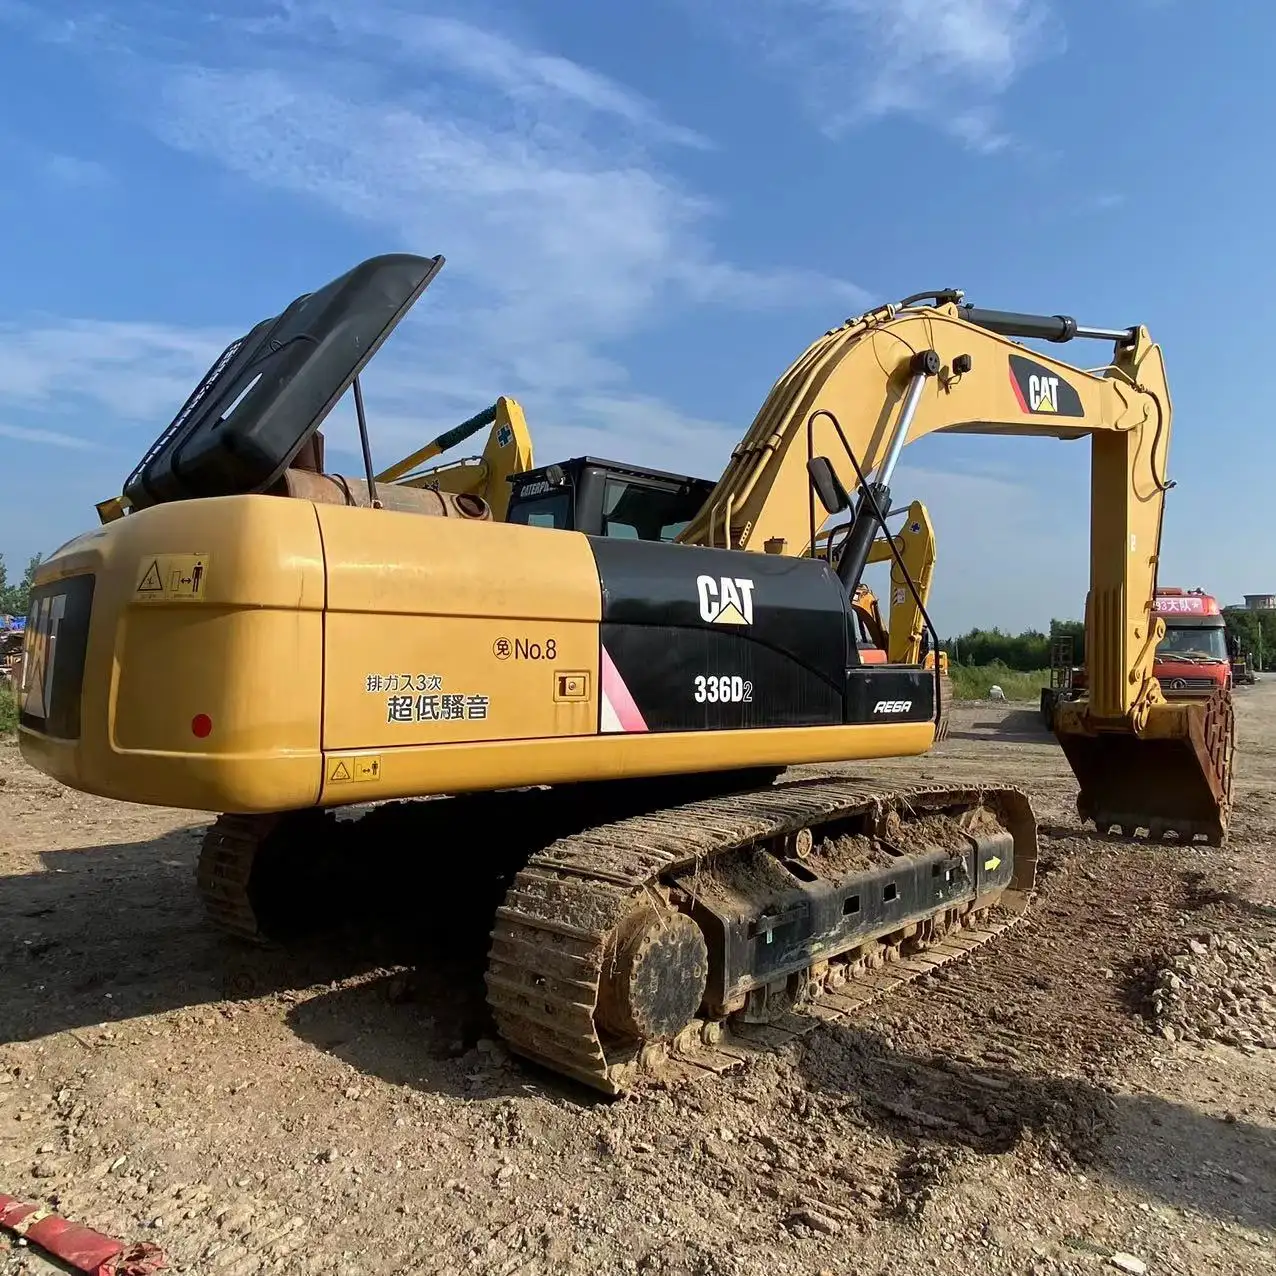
x,y
368,768
458,768
900,636
457,653
508,451
571,686
858,373
991,865
250,657
172,578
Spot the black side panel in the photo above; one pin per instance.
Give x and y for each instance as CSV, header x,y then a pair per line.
x,y
53,664
890,693
707,639
269,391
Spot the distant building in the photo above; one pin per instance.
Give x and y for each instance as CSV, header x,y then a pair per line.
x,y
1260,602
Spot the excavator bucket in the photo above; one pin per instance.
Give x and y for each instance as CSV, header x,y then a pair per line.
x,y
1171,779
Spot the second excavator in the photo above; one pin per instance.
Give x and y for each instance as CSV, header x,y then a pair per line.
x,y
619,710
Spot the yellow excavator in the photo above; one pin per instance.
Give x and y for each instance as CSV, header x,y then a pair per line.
x,y
614,712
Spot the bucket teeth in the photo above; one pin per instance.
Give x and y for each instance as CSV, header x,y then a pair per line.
x,y
1171,782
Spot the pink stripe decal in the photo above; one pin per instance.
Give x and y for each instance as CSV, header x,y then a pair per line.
x,y
617,696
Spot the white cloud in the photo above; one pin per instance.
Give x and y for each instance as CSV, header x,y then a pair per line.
x,y
130,371
535,176
942,61
51,438
559,242
564,236
532,174
522,75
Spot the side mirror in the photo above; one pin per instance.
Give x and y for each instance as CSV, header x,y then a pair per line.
x,y
828,487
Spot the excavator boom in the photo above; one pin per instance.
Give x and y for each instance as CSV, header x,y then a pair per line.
x,y
912,560
856,397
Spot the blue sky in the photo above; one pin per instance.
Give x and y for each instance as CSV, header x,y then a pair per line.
x,y
648,211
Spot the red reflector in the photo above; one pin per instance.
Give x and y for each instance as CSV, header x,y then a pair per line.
x,y
201,725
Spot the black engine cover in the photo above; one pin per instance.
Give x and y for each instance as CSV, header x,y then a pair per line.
x,y
710,639
270,391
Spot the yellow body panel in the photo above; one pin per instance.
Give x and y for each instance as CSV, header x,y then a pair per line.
x,y
409,772
501,616
258,624
344,655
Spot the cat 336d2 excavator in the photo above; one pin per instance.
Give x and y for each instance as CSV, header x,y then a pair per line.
x,y
262,640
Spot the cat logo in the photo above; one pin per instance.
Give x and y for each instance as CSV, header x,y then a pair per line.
x,y
1039,390
1043,393
725,600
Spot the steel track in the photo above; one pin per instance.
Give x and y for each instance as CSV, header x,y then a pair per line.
x,y
551,938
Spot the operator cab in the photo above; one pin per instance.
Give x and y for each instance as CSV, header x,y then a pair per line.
x,y
606,498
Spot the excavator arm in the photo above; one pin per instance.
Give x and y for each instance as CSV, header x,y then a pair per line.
x,y
836,423
899,635
508,451
905,622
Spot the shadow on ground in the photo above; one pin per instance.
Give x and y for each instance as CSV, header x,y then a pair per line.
x,y
942,1112
1021,726
109,933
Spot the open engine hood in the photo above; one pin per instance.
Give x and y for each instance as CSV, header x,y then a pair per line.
x,y
269,392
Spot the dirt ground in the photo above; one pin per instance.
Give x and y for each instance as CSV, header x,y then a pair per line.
x,y
1094,1091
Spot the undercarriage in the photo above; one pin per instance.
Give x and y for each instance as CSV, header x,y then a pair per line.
x,y
649,931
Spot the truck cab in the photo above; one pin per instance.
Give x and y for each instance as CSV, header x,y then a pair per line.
x,y
1193,659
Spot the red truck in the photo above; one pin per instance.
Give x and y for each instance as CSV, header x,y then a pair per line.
x,y
1193,659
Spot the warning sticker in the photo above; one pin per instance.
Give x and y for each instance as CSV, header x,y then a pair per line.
x,y
362,769
367,768
172,578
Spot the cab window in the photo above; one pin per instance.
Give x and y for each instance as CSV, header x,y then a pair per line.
x,y
551,510
639,511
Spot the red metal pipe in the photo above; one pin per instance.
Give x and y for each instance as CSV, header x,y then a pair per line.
x,y
80,1247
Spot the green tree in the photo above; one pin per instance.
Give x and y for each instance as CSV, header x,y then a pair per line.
x,y
1255,634
1074,629
1026,652
15,599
